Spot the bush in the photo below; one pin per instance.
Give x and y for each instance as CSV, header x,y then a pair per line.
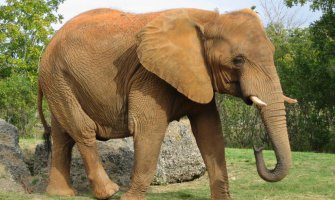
x,y
241,124
18,102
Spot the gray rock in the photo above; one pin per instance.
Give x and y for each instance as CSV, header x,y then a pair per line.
x,y
11,157
180,159
41,160
7,184
117,159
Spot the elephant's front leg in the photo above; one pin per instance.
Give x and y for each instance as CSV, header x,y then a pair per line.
x,y
147,142
148,122
206,128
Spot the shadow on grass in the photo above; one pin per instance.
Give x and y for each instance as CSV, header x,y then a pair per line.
x,y
178,195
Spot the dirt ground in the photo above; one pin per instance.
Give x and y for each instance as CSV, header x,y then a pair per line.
x,y
177,186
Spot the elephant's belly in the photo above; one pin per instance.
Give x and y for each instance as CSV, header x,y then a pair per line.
x,y
109,132
107,109
109,115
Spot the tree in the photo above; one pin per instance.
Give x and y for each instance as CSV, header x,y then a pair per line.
x,y
323,38
304,76
241,124
324,5
276,12
25,29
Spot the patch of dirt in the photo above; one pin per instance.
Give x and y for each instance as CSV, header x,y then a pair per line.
x,y
3,171
202,181
8,185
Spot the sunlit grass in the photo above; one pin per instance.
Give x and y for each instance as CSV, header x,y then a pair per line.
x,y
312,177
30,143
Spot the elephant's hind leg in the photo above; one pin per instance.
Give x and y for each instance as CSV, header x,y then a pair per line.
x,y
59,180
84,132
102,186
82,129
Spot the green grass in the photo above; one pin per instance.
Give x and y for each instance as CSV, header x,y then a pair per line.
x,y
312,177
28,145
30,142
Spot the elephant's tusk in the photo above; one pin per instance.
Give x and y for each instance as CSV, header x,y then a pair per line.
x,y
257,101
289,100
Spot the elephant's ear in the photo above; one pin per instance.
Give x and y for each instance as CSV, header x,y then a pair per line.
x,y
170,46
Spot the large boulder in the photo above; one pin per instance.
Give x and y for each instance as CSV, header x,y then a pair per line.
x,y
14,172
180,159
117,158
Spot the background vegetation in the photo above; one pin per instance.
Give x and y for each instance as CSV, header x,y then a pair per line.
x,y
304,58
25,29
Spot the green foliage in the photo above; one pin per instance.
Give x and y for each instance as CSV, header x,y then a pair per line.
x,y
17,100
324,5
313,70
311,129
322,43
305,75
241,123
25,29
323,37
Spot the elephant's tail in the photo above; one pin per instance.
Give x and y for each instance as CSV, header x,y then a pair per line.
x,y
47,128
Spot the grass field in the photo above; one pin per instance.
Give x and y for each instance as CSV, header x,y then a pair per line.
x,y
312,177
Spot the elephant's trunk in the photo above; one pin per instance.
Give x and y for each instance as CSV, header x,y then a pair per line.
x,y
274,119
262,86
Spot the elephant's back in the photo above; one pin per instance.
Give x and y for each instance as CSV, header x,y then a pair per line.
x,y
106,24
112,20
95,38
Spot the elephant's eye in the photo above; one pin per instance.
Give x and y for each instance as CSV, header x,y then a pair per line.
x,y
238,61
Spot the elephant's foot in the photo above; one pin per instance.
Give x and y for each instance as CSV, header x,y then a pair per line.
x,y
105,189
133,196
60,190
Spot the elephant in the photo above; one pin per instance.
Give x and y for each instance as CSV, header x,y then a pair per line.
x,y
110,74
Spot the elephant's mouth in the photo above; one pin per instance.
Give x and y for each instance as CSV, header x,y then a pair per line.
x,y
239,93
248,101
252,99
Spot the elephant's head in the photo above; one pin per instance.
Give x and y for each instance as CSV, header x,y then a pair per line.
x,y
201,52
